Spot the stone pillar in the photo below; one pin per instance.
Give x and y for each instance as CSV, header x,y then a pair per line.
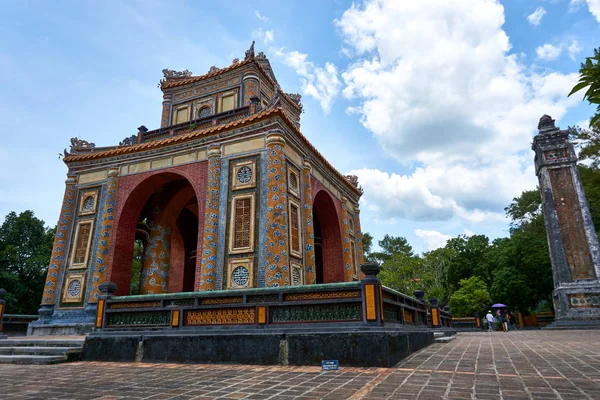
x,y
359,242
250,89
277,272
310,273
572,240
164,119
349,265
106,234
59,248
155,265
208,266
372,294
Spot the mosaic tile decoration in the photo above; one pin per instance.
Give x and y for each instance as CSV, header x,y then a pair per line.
x,y
360,257
106,233
277,271
208,269
309,231
60,244
229,316
155,268
348,268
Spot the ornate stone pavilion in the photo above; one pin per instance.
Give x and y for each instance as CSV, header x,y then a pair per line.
x,y
226,194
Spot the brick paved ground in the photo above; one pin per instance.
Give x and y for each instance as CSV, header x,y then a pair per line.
x,y
515,365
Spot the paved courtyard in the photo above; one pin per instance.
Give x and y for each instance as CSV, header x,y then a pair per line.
x,y
515,365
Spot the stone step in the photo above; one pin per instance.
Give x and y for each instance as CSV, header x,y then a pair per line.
x,y
42,342
444,339
41,351
31,359
438,334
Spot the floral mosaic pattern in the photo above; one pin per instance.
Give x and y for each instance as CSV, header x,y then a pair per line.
x,y
103,246
250,89
59,246
208,272
359,244
277,270
309,229
155,269
348,269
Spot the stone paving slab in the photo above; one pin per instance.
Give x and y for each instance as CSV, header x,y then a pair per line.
x,y
515,365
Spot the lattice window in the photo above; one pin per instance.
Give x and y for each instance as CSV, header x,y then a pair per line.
x,y
293,181
294,228
205,112
351,224
81,245
242,223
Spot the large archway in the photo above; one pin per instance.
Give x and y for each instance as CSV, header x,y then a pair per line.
x,y
329,253
164,208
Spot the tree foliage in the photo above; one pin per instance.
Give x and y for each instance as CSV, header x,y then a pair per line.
x,y
367,244
589,77
587,142
25,250
471,297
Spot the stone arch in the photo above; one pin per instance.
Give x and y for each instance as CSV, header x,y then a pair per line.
x,y
329,258
136,194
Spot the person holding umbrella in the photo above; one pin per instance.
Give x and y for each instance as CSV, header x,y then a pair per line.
x,y
502,314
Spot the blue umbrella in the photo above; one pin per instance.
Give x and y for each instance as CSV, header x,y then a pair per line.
x,y
499,305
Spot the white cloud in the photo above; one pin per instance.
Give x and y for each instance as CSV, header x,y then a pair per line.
x,y
536,17
266,36
436,84
573,49
321,83
593,6
548,52
432,239
269,36
261,17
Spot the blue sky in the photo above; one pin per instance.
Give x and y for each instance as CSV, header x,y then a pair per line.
x,y
433,104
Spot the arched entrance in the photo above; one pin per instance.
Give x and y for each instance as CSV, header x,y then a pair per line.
x,y
329,255
161,216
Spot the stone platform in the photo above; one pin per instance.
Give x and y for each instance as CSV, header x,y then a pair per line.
x,y
515,365
356,347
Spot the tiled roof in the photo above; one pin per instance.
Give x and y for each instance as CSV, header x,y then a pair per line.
x,y
206,132
171,83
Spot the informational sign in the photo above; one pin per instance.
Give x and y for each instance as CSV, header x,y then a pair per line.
x,y
329,365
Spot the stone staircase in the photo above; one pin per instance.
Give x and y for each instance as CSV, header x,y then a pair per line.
x,y
41,350
443,337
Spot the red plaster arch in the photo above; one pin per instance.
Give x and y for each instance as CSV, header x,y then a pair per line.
x,y
333,254
133,193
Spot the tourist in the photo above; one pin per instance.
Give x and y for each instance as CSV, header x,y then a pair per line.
x,y
504,319
490,321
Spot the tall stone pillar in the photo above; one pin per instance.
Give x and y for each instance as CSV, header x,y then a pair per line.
x,y
59,248
277,269
154,277
359,243
208,265
310,273
106,234
349,263
572,240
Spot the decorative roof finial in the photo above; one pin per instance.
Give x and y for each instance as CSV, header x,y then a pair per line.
x,y
546,124
250,52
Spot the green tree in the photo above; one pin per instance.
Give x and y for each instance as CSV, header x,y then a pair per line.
x,y
435,267
471,297
402,272
469,259
391,245
367,243
25,250
589,77
588,143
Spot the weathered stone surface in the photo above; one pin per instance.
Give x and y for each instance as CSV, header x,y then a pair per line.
x,y
572,240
